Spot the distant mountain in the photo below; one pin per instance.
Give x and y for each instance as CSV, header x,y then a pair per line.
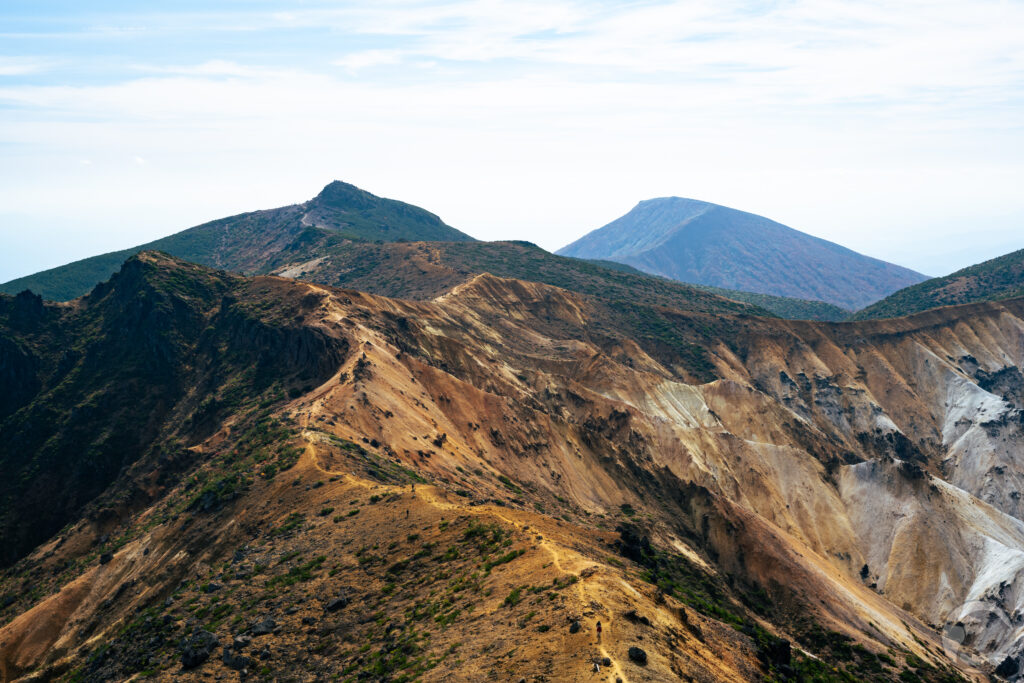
x,y
707,244
254,242
999,278
350,238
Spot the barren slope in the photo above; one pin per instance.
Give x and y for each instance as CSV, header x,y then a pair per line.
x,y
482,471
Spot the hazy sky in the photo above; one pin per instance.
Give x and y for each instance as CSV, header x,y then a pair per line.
x,y
895,128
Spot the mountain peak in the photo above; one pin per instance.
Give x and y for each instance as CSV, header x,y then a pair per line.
x,y
673,199
346,208
341,194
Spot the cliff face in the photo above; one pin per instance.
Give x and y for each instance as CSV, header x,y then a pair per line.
x,y
473,475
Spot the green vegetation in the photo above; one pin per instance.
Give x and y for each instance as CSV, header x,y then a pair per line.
x,y
153,360
266,447
292,522
513,598
509,484
345,212
671,337
507,557
994,280
346,208
297,574
375,467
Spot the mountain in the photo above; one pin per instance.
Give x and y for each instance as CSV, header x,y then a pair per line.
x,y
703,243
347,237
999,278
210,474
252,242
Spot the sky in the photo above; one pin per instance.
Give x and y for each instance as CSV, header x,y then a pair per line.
x,y
895,128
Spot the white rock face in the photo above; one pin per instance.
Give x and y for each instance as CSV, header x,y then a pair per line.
x,y
938,549
984,444
935,512
967,407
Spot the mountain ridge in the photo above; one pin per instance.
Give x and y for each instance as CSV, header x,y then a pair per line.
x,y
503,463
998,278
328,239
248,242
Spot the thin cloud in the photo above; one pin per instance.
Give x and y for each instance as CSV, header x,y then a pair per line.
x,y
22,66
357,61
856,121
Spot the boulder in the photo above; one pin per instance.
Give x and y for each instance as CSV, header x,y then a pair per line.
x,y
197,648
637,655
632,616
336,604
264,627
236,661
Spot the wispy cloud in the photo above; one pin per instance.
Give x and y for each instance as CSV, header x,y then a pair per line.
x,y
22,66
357,61
801,110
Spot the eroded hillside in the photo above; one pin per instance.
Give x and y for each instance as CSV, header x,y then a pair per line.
x,y
469,484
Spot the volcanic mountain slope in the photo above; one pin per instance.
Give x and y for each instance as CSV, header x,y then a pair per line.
x,y
257,241
444,489
703,243
993,280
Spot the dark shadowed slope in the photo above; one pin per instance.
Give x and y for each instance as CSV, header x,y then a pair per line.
x,y
703,243
253,242
157,355
1000,278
